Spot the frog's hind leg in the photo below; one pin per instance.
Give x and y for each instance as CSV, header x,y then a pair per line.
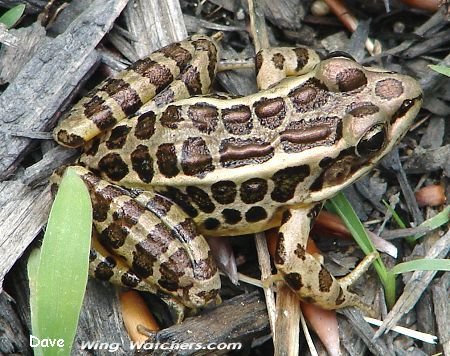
x,y
305,274
155,239
176,71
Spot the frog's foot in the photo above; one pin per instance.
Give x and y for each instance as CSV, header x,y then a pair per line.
x,y
149,244
107,267
359,270
306,275
177,309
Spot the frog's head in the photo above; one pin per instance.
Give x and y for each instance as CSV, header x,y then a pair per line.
x,y
379,108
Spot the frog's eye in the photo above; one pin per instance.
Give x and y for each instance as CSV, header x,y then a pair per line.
x,y
335,54
372,141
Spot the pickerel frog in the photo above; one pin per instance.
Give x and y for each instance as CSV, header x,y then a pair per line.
x,y
166,164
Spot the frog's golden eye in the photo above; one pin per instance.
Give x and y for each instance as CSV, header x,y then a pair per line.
x,y
372,141
335,54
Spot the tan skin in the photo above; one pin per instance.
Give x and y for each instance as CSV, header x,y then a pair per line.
x,y
219,166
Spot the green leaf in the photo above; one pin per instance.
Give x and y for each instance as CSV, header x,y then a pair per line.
x,y
436,221
433,223
441,69
12,16
340,205
423,264
59,278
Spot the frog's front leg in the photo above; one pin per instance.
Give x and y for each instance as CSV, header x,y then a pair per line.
x,y
151,244
307,276
276,63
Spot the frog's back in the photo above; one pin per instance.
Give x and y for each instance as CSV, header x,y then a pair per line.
x,y
298,127
201,140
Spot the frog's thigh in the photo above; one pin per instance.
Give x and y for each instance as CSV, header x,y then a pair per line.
x,y
205,281
163,252
304,273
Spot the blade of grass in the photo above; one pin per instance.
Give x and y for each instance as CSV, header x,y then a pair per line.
x,y
423,264
396,217
398,220
12,16
436,221
340,205
61,273
440,69
433,223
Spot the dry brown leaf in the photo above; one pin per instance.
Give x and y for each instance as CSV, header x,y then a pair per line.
x,y
430,5
330,224
325,325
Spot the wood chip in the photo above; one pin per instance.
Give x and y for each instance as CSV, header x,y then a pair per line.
x,y
240,319
49,77
440,291
14,339
24,211
142,19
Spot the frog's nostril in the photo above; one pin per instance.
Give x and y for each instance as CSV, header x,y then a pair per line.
x,y
404,108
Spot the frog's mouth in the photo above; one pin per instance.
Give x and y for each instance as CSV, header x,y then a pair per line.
x,y
340,171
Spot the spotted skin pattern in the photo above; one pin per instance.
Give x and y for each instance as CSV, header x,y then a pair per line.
x,y
187,165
